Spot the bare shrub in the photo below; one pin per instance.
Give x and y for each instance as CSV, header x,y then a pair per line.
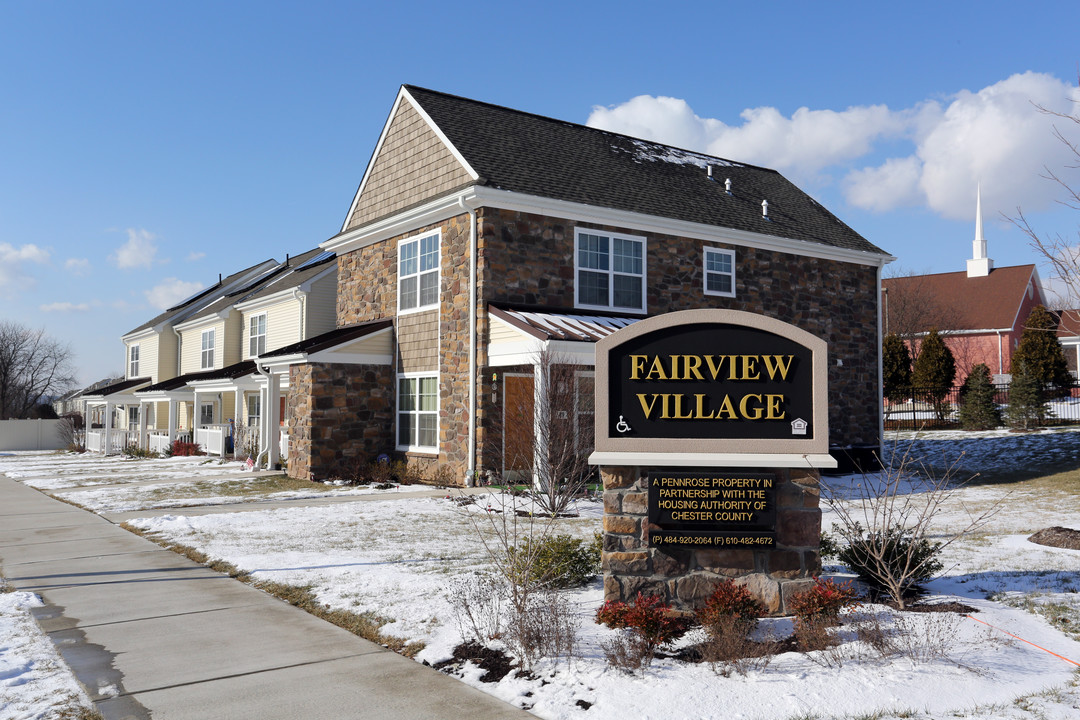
x,y
728,647
871,630
478,602
547,628
443,476
627,652
926,637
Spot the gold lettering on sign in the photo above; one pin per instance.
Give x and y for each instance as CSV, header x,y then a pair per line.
x,y
690,367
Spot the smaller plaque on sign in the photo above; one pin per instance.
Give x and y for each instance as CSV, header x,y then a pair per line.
x,y
712,509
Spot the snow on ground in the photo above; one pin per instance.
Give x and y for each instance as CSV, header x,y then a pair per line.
x,y
399,557
34,681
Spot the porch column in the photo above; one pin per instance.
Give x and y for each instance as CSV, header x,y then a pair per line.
x,y
173,412
108,425
142,443
541,416
273,415
239,411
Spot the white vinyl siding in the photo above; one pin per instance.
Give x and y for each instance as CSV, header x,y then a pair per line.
x,y
418,413
321,306
418,272
719,271
191,344
609,271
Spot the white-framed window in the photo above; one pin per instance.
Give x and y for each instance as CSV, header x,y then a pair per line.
x,y
610,271
133,361
133,417
207,356
418,272
254,405
257,335
719,271
206,413
418,412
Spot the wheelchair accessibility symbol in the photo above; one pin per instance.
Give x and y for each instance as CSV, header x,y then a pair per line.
x,y
622,426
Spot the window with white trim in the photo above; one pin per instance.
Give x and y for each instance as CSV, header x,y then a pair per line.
x,y
418,413
206,413
719,271
133,361
418,272
254,403
257,335
133,417
207,356
610,271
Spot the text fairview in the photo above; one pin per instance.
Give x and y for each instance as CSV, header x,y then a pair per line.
x,y
709,367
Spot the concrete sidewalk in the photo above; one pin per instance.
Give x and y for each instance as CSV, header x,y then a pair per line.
x,y
152,634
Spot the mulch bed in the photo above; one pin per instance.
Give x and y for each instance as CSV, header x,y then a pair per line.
x,y
497,663
1059,537
953,606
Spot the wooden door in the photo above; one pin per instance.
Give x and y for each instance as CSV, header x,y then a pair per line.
x,y
518,419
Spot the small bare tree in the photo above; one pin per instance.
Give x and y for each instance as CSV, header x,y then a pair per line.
x,y
548,436
32,365
910,306
888,521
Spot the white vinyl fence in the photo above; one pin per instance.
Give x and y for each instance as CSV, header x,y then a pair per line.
x,y
31,435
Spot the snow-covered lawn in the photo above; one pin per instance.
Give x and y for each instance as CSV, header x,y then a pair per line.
x,y
397,558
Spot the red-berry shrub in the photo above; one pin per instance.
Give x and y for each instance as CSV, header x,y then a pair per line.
x,y
729,601
823,602
648,618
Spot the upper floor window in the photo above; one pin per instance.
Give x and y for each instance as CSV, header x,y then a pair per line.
x,y
418,272
610,271
719,272
207,356
257,335
133,361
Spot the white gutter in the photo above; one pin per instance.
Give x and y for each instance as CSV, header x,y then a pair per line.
x,y
299,295
470,476
179,349
264,422
1001,359
880,372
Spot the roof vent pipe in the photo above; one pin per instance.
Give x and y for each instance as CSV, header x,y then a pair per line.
x,y
765,209
727,185
708,168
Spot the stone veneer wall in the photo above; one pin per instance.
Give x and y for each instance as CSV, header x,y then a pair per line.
x,y
685,577
337,415
528,259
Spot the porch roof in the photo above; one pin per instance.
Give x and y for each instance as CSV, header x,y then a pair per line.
x,y
106,393
232,372
572,326
327,341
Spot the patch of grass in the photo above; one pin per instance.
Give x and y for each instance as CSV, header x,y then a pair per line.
x,y
362,624
1063,616
76,712
5,586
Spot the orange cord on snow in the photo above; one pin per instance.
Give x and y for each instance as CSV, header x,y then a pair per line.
x,y
1051,652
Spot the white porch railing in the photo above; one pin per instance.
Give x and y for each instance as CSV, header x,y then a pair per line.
x,y
211,438
158,441
95,440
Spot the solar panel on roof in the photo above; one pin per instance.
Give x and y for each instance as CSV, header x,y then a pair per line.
x,y
321,257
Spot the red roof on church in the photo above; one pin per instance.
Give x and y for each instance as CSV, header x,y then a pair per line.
x,y
991,302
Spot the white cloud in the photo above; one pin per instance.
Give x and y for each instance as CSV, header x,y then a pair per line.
x,y
803,144
996,137
65,307
192,257
12,275
171,291
77,266
140,250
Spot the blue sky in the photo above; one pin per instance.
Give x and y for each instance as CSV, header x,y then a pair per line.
x,y
147,147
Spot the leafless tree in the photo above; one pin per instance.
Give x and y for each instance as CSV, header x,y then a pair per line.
x,y
32,365
910,307
1061,252
551,432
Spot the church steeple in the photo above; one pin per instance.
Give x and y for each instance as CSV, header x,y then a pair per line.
x,y
979,265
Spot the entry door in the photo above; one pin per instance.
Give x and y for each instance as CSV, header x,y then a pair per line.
x,y
518,419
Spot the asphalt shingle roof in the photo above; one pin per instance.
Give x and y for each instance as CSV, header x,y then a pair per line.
x,y
535,155
331,339
970,303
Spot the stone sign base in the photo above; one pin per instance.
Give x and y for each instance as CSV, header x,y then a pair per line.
x,y
685,577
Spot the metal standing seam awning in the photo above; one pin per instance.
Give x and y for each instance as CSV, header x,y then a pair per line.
x,y
570,336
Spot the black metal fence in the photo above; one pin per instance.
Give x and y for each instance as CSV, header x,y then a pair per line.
x,y
939,408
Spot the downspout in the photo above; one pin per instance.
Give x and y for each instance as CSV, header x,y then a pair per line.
x,y
881,371
1001,358
179,349
263,419
300,296
470,475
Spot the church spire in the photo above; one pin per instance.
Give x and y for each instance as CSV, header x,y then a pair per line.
x,y
979,265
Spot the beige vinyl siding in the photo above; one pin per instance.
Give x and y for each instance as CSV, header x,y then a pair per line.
x,y
191,358
282,326
321,306
165,368
501,333
232,331
148,358
381,343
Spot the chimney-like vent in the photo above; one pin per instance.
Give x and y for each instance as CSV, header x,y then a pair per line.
x,y
765,209
727,185
708,168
